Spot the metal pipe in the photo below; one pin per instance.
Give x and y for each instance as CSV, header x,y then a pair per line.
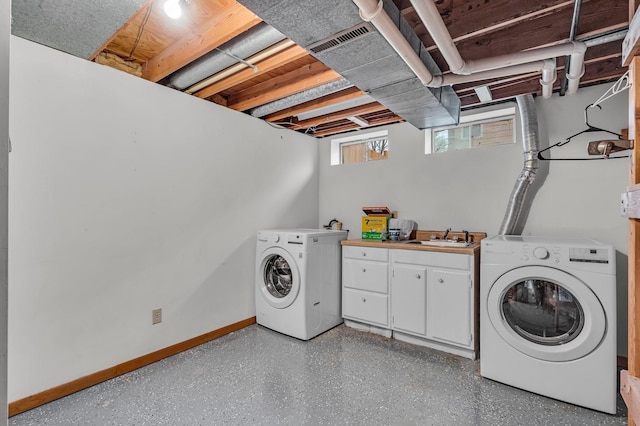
x,y
572,36
247,44
299,98
531,146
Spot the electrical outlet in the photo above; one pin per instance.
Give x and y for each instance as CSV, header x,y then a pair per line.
x,y
156,316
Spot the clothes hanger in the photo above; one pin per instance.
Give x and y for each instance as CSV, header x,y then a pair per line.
x,y
609,147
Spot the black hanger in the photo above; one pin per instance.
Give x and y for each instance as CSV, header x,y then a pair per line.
x,y
589,129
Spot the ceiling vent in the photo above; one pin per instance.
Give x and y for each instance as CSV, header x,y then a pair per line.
x,y
341,38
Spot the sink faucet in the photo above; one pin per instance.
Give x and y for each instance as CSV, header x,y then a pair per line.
x,y
446,233
466,236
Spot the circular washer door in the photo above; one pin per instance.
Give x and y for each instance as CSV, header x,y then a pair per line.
x,y
278,277
546,313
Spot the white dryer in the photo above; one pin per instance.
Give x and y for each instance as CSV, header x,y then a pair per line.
x,y
298,287
548,317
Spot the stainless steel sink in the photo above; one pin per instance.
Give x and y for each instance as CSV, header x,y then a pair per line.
x,y
440,243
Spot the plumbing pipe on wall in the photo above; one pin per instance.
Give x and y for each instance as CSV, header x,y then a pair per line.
x,y
530,146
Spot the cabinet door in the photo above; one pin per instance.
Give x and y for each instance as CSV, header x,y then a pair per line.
x,y
408,298
450,307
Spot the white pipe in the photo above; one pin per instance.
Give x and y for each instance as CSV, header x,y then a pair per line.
x,y
549,77
428,13
564,49
451,79
372,11
576,71
430,16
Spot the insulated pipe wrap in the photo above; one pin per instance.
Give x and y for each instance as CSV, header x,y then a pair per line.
x,y
531,146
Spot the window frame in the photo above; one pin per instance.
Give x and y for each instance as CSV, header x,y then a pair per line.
x,y
468,121
337,144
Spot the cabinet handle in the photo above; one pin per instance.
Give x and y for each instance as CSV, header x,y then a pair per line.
x,y
364,270
418,276
364,300
440,280
364,253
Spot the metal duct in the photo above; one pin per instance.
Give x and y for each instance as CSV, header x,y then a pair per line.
x,y
367,62
247,44
299,98
531,146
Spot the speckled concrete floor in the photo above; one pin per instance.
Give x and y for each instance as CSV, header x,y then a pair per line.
x,y
343,377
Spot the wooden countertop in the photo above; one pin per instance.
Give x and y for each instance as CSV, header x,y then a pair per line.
x,y
473,248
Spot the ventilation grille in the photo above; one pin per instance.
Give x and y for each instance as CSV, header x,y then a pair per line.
x,y
341,38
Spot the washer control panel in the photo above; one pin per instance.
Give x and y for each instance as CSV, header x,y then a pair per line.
x,y
589,255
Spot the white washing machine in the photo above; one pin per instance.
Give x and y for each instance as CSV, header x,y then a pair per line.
x,y
548,317
298,287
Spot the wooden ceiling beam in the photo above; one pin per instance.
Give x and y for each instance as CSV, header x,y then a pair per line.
x,y
306,77
333,98
264,66
341,115
467,17
234,20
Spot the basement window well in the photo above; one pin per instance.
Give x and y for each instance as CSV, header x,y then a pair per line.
x,y
477,130
360,148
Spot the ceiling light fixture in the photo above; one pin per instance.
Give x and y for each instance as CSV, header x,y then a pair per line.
x,y
172,9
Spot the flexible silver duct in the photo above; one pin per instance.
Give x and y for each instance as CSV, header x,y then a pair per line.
x,y
248,43
531,146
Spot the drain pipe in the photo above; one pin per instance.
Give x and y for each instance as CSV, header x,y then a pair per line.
x,y
428,13
372,11
531,146
547,67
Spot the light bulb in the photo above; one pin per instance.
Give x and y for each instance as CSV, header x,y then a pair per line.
x,y
172,9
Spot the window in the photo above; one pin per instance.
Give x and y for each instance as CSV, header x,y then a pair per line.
x,y
474,131
361,148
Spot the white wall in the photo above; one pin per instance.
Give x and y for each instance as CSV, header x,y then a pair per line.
x,y
470,189
5,30
127,196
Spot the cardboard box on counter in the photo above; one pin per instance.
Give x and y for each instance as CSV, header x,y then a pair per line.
x,y
375,225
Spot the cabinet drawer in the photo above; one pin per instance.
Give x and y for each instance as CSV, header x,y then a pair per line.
x,y
365,253
365,306
433,258
365,275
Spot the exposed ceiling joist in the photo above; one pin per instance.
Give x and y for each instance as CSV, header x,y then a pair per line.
x,y
289,84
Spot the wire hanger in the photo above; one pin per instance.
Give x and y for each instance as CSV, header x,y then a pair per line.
x,y
589,129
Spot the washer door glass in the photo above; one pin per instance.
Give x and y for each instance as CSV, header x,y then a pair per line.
x,y
543,312
546,313
278,277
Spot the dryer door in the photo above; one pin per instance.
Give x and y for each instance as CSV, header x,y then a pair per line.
x,y
278,277
546,313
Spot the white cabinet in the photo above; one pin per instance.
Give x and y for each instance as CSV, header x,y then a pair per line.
x,y
365,285
450,307
423,297
432,299
409,298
